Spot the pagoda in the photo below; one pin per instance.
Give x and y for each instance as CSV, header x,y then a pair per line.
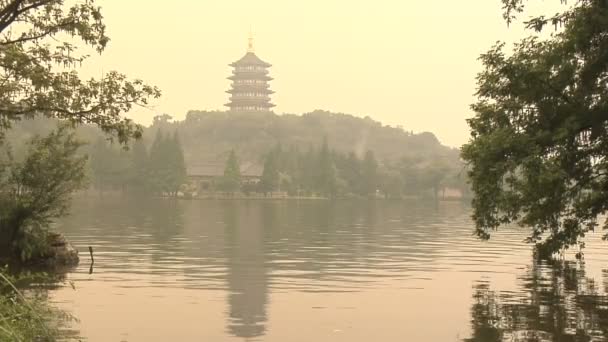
x,y
250,91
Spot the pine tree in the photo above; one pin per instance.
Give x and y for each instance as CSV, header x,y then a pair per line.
x,y
167,168
99,162
178,175
326,179
270,175
139,163
110,166
308,163
231,181
351,172
157,164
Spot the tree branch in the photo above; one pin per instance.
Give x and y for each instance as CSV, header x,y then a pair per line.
x,y
25,38
14,12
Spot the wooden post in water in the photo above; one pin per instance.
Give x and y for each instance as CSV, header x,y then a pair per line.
x,y
92,260
91,252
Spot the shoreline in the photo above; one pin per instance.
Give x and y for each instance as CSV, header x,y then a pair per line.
x,y
270,198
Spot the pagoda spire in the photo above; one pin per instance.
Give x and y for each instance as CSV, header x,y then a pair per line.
x,y
250,47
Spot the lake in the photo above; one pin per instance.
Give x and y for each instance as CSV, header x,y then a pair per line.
x,y
356,271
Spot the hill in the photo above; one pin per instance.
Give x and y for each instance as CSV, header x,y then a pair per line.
x,y
208,136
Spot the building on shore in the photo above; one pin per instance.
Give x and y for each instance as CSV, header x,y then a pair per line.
x,y
205,177
250,91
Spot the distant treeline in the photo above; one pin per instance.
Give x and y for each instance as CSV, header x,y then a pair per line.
x,y
321,171
317,171
161,170
336,160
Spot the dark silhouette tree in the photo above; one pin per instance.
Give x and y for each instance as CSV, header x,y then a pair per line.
x,y
539,138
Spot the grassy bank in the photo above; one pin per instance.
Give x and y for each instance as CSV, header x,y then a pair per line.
x,y
26,316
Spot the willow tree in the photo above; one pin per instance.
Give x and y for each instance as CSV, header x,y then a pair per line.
x,y
539,142
41,43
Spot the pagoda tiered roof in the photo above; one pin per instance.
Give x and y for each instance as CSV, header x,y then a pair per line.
x,y
250,59
250,76
250,90
250,103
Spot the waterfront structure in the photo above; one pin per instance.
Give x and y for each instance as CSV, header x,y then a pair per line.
x,y
205,176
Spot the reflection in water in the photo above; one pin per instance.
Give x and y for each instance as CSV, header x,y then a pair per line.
x,y
557,303
335,270
247,280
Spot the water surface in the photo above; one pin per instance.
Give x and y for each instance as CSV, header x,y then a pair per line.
x,y
353,271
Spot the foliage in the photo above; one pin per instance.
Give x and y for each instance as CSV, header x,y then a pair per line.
x,y
166,165
369,174
231,181
391,183
109,165
26,317
37,189
38,68
208,136
139,164
270,175
324,172
539,137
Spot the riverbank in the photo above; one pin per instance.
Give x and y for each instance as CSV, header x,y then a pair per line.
x,y
26,315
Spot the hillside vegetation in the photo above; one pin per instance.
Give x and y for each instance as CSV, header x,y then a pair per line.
x,y
209,136
314,154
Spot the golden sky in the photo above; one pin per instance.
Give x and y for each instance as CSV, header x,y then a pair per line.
x,y
402,62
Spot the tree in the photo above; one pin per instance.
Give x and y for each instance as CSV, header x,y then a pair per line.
x,y
539,141
369,174
158,169
308,176
38,68
167,168
38,71
110,165
350,171
100,161
326,179
231,181
433,176
38,189
140,163
177,163
270,175
390,184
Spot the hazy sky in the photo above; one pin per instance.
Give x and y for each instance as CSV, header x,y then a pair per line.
x,y
408,63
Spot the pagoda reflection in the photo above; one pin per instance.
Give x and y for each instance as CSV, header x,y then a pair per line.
x,y
247,278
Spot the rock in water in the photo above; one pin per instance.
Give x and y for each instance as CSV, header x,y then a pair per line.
x,y
61,252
